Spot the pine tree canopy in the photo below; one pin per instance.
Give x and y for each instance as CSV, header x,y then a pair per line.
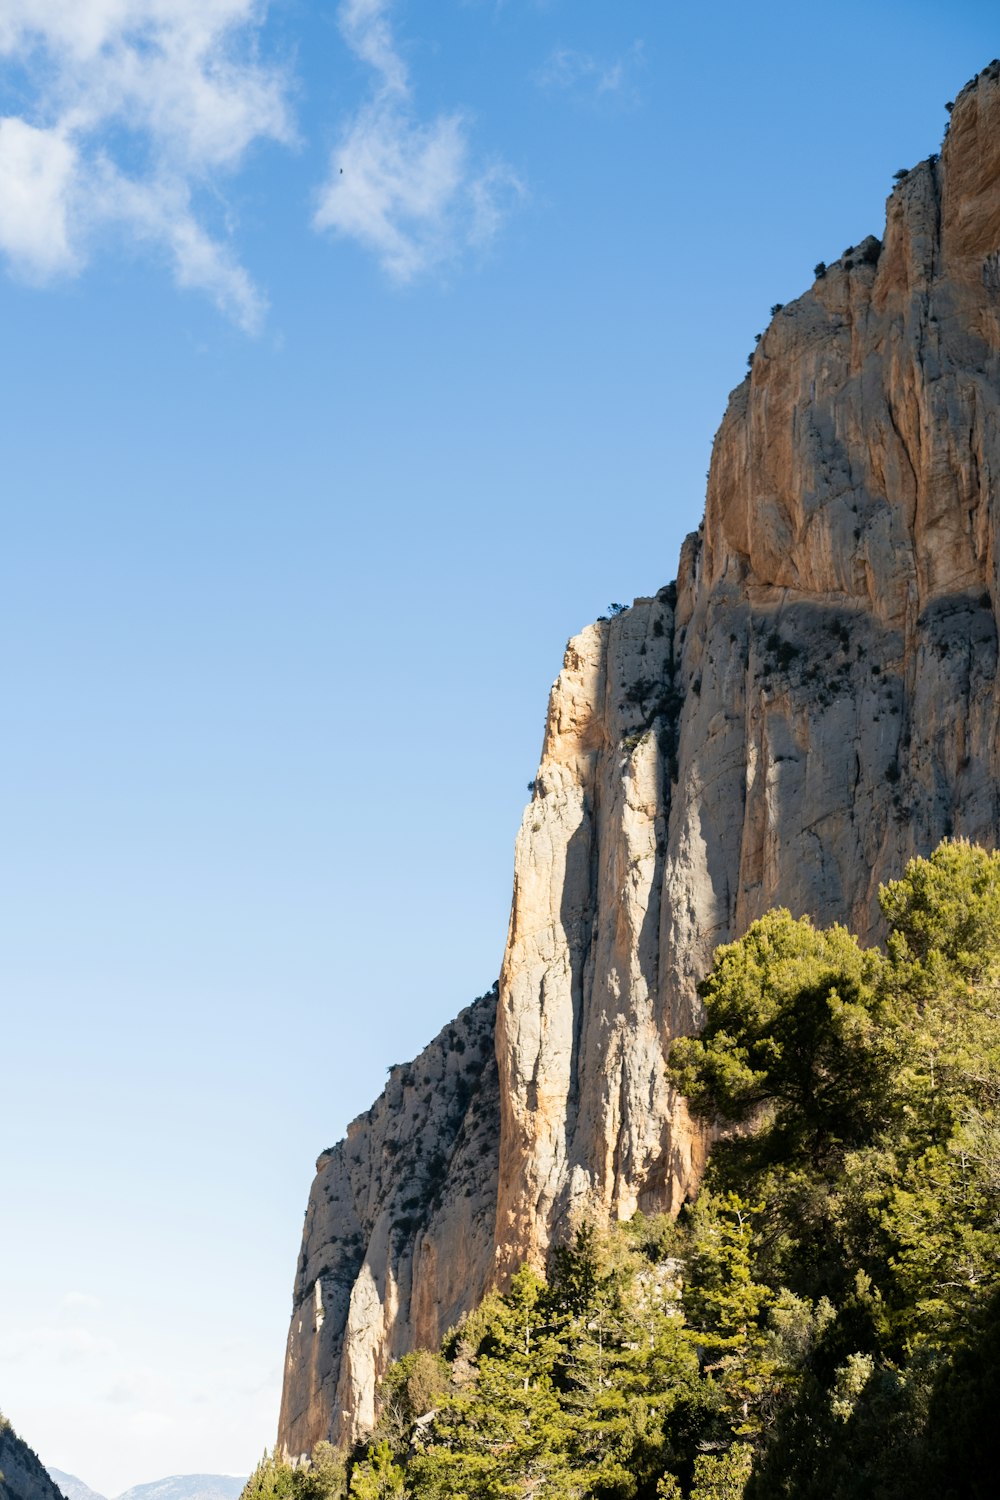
x,y
822,1322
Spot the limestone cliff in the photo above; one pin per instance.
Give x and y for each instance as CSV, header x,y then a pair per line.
x,y
398,1238
810,704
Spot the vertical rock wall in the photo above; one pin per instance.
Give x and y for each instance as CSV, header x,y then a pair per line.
x,y
818,699
811,703
398,1237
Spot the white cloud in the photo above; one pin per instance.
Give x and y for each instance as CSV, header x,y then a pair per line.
x,y
85,1301
139,1387
408,190
37,168
148,1424
571,71
176,85
160,212
55,1345
365,27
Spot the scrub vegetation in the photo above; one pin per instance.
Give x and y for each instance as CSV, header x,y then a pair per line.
x,y
823,1320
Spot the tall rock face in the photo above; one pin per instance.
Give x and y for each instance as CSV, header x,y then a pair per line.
x,y
587,1009
810,704
398,1238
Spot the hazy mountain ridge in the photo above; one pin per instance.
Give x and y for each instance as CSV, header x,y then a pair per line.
x,y
187,1487
175,1487
813,702
73,1488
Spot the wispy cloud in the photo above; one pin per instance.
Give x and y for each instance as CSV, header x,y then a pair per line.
x,y
406,189
138,109
570,71
55,1345
80,1301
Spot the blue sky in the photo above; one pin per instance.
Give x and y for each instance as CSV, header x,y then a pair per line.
x,y
308,476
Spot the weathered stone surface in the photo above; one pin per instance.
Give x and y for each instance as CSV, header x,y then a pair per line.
x,y
581,1032
834,650
398,1238
812,703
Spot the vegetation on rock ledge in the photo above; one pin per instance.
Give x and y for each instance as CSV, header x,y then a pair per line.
x,y
824,1320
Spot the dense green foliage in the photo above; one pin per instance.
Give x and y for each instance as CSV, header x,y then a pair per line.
x,y
824,1319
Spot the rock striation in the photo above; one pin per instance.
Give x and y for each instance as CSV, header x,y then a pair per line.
x,y
812,702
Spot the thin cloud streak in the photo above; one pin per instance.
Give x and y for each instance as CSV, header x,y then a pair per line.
x,y
407,190
568,70
55,1346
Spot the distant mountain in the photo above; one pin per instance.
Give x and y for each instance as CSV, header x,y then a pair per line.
x,y
73,1488
185,1487
177,1487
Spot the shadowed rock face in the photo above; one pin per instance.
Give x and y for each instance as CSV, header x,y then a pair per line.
x,y
398,1238
812,703
22,1474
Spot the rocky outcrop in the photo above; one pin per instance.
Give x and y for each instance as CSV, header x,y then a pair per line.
x,y
811,703
398,1238
22,1474
819,696
582,1028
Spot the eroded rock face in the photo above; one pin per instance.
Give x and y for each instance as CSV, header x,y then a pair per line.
x,y
812,703
582,1032
398,1238
819,696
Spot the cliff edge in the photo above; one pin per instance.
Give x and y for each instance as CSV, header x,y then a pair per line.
x,y
809,705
